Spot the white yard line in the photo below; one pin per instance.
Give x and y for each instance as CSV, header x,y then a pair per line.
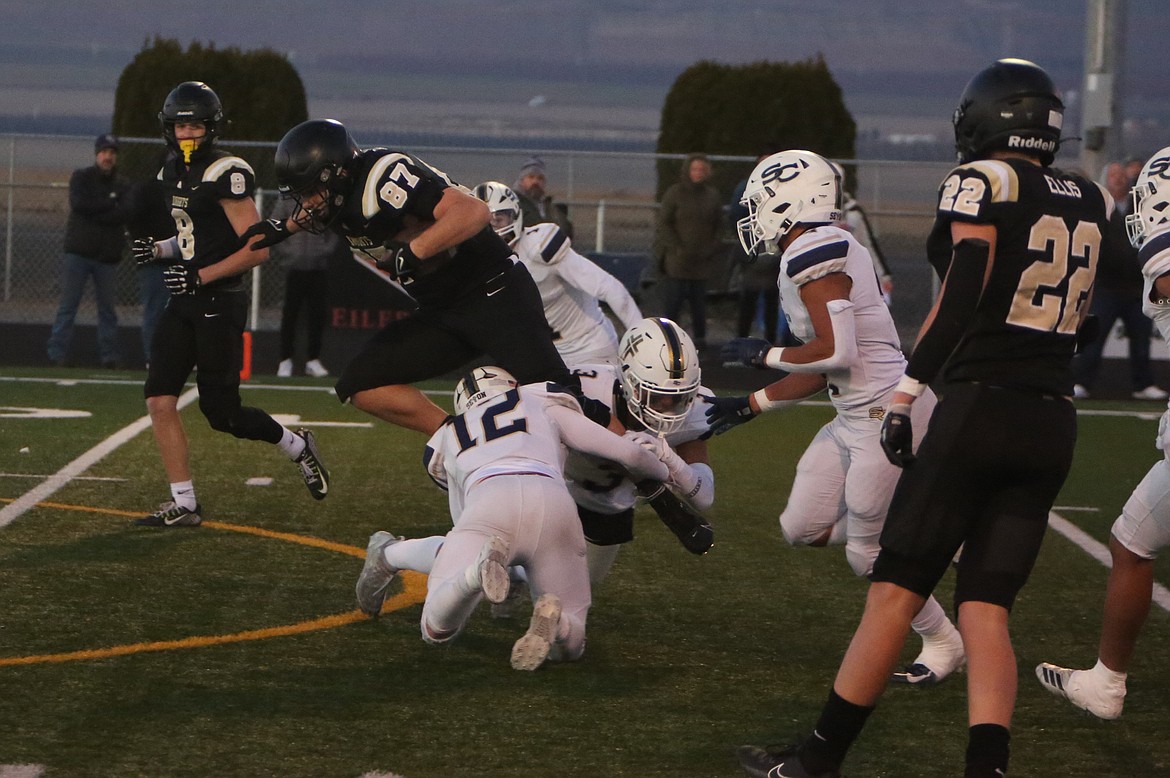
x,y
14,510
21,770
1100,552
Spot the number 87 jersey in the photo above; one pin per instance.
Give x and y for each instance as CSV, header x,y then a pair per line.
x,y
1049,232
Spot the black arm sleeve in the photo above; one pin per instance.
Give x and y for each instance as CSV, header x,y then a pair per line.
x,y
956,309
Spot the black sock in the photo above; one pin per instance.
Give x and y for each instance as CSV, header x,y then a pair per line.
x,y
839,725
987,751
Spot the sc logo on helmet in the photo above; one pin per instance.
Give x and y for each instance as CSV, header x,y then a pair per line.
x,y
783,172
1159,168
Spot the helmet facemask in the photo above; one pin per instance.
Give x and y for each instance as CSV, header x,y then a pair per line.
x,y
1149,212
319,205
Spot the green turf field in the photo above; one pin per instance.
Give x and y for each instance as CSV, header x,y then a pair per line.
x,y
235,648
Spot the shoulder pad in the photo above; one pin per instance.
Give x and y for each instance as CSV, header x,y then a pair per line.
x,y
551,242
1110,203
556,394
996,174
1155,255
231,178
815,254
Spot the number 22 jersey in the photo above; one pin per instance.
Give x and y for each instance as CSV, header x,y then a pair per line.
x,y
1049,227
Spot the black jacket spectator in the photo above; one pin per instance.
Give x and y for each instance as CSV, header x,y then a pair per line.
x,y
96,214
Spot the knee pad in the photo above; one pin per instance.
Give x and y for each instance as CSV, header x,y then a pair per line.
x,y
219,404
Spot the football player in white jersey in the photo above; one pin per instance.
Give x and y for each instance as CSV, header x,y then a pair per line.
x,y
652,393
501,459
1143,528
571,286
849,345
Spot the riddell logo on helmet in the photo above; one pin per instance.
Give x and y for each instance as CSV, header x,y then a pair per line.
x,y
1039,144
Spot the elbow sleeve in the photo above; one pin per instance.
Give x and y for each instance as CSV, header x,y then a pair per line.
x,y
844,344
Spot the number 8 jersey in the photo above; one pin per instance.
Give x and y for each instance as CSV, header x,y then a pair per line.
x,y
204,232
1049,227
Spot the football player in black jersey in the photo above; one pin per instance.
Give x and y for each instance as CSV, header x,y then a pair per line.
x,y
1016,243
435,239
209,194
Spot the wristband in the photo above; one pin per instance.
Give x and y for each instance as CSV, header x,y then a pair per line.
x,y
910,386
771,405
774,358
167,249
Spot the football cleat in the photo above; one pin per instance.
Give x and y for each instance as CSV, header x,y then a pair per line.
x,y
776,762
530,651
313,470
171,514
377,574
491,568
1081,689
933,665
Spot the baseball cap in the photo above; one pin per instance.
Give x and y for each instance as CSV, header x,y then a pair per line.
x,y
105,141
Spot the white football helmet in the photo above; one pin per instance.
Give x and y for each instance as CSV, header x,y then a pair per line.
x,y
507,218
482,383
785,189
1149,211
659,373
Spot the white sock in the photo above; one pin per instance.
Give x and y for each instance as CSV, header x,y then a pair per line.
x,y
600,559
417,554
291,443
1108,678
183,493
933,626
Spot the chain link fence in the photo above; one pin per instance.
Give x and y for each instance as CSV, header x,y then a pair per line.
x,y
611,199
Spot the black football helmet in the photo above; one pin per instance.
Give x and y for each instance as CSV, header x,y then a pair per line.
x,y
1010,106
313,158
191,101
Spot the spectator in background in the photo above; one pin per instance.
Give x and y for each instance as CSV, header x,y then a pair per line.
x,y
758,278
687,242
856,220
306,257
149,217
536,205
94,242
1118,295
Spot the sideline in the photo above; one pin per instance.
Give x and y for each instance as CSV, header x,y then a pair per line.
x,y
414,591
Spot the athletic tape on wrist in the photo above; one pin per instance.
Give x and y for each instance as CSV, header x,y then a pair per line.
x,y
771,405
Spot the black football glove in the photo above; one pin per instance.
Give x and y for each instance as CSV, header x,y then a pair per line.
x,y
688,525
898,436
745,351
143,251
727,412
399,261
181,279
273,231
